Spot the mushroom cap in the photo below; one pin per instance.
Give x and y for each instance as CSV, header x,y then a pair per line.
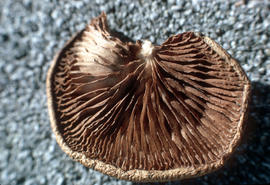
x,y
146,113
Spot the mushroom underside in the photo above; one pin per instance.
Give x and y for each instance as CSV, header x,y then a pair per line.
x,y
179,105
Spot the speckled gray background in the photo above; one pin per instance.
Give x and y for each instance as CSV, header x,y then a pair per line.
x,y
32,31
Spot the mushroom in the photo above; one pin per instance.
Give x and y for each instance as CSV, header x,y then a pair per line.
x,y
146,113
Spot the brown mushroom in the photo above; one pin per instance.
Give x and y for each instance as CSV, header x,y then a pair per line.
x,y
141,112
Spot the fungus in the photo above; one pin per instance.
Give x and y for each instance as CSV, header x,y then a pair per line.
x,y
142,112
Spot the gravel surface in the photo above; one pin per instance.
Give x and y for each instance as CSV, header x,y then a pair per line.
x,y
31,32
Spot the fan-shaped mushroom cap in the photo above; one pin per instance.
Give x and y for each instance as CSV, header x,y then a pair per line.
x,y
141,112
